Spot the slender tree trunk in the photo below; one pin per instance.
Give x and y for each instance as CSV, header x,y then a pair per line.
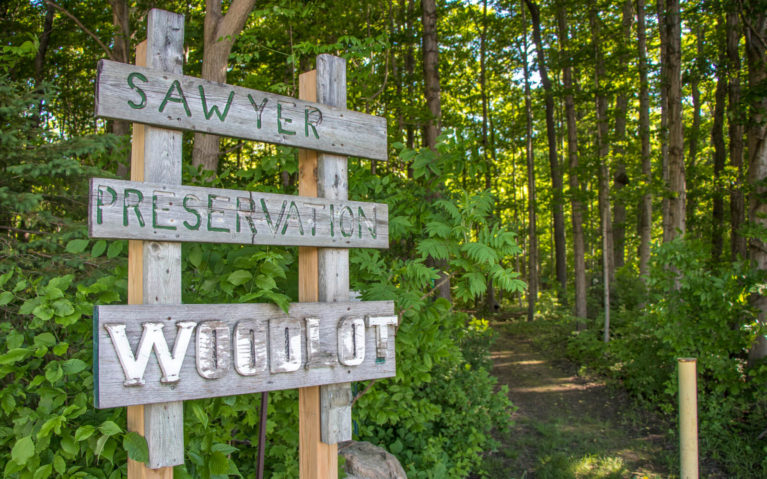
x,y
620,177
645,209
738,247
579,244
756,34
220,31
697,74
532,286
434,105
676,181
121,53
720,157
486,147
556,173
663,134
603,149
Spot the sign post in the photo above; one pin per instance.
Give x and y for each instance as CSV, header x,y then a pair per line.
x,y
155,352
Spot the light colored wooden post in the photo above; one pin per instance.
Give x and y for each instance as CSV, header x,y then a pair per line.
x,y
688,418
325,411
155,272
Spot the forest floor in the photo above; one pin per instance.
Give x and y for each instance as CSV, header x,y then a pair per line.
x,y
570,425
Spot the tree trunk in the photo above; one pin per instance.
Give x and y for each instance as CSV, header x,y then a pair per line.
x,y
603,149
698,72
220,32
121,53
663,134
676,182
579,244
756,32
720,156
620,178
556,173
486,147
738,247
645,210
434,105
532,286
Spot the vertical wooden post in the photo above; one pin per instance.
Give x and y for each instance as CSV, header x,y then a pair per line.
x,y
324,412
154,268
688,418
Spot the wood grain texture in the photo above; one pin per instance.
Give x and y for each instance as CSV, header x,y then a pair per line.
x,y
111,377
333,184
316,460
135,414
175,101
167,212
163,424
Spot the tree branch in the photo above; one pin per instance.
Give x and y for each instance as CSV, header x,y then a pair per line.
x,y
82,27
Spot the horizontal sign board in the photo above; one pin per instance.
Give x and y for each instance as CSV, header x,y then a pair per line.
x,y
121,209
157,353
128,92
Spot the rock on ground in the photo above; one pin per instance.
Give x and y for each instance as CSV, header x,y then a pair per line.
x,y
367,461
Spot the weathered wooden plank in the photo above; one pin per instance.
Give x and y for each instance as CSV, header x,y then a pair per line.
x,y
333,184
316,460
160,353
163,423
175,101
170,212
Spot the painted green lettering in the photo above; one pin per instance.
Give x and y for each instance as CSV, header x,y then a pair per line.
x,y
344,210
179,99
332,219
211,210
280,119
189,226
372,230
291,209
248,217
259,109
316,119
135,206
214,109
100,201
137,106
166,194
274,228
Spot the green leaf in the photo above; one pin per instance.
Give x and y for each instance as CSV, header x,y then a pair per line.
x,y
45,339
265,282
43,471
5,298
239,277
58,464
53,372
223,448
136,447
218,463
74,366
115,248
84,432
200,414
14,355
63,307
76,246
43,311
109,428
98,248
195,257
23,450
102,441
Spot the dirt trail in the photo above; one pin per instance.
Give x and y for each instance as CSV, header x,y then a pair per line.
x,y
567,426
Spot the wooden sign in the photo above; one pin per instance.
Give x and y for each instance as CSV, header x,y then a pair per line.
x,y
134,210
157,353
129,92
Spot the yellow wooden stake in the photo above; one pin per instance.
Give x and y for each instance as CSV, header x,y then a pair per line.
x,y
688,418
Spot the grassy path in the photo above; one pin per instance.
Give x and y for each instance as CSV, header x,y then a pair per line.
x,y
567,426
